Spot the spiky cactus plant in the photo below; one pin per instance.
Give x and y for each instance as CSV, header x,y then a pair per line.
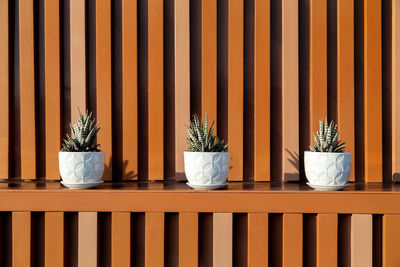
x,y
201,138
327,138
83,135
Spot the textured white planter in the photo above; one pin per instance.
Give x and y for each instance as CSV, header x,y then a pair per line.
x,y
81,169
327,169
206,168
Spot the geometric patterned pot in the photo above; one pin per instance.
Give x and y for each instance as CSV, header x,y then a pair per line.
x,y
81,167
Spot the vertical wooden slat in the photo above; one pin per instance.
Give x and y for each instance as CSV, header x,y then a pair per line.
x,y
235,88
318,64
292,240
154,239
155,90
54,239
52,87
4,90
261,90
361,240
77,57
120,239
290,91
103,81
87,239
188,239
257,251
373,90
327,240
222,239
182,82
27,90
396,90
21,239
390,240
345,74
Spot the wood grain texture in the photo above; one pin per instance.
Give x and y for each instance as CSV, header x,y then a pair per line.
x,y
54,239
373,90
361,240
154,239
292,240
261,90
257,251
396,90
222,239
103,82
390,240
27,90
21,239
188,239
327,240
4,91
87,239
290,91
129,89
235,88
120,239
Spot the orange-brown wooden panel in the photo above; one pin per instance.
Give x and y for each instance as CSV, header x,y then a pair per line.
x,y
87,239
257,250
77,57
345,74
182,82
120,239
188,239
318,64
261,91
327,240
155,90
103,81
27,90
292,240
21,239
222,239
129,89
373,90
154,239
290,91
54,239
209,58
235,88
396,90
52,86
390,240
361,240
4,95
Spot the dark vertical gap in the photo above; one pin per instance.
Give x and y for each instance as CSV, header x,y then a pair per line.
x,y
6,240
387,89
239,240
309,240
142,89
377,240
222,69
275,240
332,59
248,79
205,239
137,239
71,239
304,82
65,64
90,52
104,239
359,88
169,90
276,91
37,239
344,245
116,73
171,240
195,57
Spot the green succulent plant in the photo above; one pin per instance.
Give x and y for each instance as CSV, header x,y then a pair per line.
x,y
201,138
83,135
327,138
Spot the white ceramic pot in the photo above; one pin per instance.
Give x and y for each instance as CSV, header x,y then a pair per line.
x,y
206,168
326,168
81,169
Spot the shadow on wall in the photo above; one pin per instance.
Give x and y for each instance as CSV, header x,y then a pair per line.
x,y
294,161
121,173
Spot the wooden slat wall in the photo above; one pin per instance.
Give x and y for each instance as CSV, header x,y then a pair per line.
x,y
395,90
4,90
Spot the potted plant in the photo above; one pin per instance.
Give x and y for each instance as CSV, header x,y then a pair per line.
x,y
81,162
327,166
206,161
